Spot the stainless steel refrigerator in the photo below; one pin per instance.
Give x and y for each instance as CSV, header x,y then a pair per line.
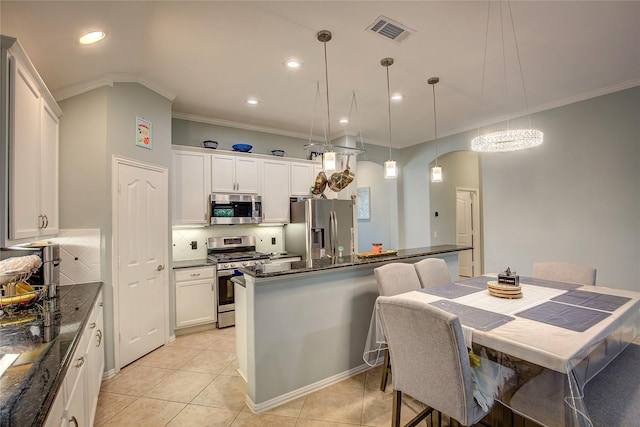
x,y
319,227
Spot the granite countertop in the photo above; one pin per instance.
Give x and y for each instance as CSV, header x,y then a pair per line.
x,y
189,263
306,266
29,385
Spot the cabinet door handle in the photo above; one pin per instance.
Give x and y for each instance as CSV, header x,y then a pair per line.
x,y
40,222
195,274
74,421
160,267
46,224
99,336
92,326
80,362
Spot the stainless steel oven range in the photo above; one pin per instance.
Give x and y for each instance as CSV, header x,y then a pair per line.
x,y
229,253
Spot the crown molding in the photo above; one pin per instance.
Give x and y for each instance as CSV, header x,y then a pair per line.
x,y
110,79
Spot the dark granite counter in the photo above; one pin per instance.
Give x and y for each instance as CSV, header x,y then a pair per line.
x,y
307,266
189,263
29,385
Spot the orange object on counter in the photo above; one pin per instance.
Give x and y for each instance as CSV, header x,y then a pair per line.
x,y
376,248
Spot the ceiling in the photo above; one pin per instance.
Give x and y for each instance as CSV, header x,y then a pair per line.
x,y
210,56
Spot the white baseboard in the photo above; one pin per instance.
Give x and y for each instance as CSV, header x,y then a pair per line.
x,y
303,391
108,374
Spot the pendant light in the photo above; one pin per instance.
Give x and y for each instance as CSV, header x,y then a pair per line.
x,y
436,171
390,170
329,156
509,139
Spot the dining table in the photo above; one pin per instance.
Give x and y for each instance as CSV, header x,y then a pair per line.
x,y
571,329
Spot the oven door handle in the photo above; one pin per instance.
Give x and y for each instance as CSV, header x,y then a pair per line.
x,y
224,273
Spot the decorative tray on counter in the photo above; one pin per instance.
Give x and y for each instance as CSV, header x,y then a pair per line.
x,y
501,290
374,255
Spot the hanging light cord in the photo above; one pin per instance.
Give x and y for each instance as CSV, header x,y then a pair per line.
x,y
515,40
389,112
326,77
354,105
315,109
435,122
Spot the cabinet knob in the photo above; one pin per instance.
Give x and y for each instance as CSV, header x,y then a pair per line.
x,y
80,362
92,326
99,336
74,421
160,267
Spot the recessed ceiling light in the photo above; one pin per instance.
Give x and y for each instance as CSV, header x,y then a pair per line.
x,y
397,97
92,37
344,120
293,64
252,101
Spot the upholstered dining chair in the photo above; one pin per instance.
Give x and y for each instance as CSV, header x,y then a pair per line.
x,y
564,272
430,361
433,272
393,279
612,397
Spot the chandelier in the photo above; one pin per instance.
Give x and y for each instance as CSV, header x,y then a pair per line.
x,y
510,139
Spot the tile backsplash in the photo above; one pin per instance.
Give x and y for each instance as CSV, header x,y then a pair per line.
x,y
80,255
182,238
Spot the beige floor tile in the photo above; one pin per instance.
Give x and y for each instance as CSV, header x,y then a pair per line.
x,y
197,340
168,357
289,409
232,369
136,380
109,404
315,423
249,419
357,381
334,403
373,377
146,413
224,342
181,386
223,392
211,362
203,416
378,405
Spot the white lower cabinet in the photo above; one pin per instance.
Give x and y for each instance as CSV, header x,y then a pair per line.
x,y
78,395
195,296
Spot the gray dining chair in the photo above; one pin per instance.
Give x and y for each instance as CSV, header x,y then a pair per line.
x,y
432,272
564,272
393,279
612,397
430,360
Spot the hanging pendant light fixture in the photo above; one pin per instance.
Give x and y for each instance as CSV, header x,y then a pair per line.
x,y
329,156
509,139
436,171
390,170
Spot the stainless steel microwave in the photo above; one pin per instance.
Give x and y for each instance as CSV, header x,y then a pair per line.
x,y
236,209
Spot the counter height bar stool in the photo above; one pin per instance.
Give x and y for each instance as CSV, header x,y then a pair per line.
x,y
564,272
393,279
430,360
433,272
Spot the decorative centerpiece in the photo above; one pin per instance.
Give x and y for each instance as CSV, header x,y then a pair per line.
x,y
507,285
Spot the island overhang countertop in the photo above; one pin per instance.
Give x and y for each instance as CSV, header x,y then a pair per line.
x,y
318,264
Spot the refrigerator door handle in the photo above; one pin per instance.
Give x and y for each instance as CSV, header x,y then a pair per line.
x,y
334,232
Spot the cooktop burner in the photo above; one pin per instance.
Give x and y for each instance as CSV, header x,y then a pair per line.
x,y
238,256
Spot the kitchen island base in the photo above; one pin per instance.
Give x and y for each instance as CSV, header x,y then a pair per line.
x,y
297,333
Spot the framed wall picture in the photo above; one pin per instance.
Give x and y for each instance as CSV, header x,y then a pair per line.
x,y
143,133
364,203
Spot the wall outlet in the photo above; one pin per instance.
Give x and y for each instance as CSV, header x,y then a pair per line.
x,y
194,244
273,240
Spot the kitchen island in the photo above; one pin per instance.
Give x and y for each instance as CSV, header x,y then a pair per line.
x,y
301,326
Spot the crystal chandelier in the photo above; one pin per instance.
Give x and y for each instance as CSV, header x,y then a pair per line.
x,y
436,171
510,139
390,170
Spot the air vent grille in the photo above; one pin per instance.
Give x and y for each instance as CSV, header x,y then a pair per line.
x,y
390,29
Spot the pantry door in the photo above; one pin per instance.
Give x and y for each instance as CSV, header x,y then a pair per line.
x,y
140,243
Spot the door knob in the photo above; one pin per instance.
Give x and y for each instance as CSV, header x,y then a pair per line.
x,y
160,267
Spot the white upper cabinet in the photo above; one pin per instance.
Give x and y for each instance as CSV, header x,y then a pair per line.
x,y
275,191
191,187
33,147
234,174
302,178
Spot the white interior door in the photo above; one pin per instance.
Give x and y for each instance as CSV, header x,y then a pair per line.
x,y
142,239
464,232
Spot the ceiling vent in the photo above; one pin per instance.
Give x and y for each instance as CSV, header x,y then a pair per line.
x,y
390,29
